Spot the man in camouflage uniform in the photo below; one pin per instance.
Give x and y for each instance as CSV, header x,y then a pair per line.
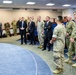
x,y
73,41
7,29
58,38
69,28
14,25
40,28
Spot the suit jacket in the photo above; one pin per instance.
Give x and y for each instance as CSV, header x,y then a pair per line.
x,y
0,26
24,25
32,27
48,30
18,23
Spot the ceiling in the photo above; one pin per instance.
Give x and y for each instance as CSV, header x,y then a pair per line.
x,y
40,4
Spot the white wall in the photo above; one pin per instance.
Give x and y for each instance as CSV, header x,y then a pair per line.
x,y
67,12
9,15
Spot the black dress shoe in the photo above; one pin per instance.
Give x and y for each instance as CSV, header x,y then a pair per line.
x,y
43,49
30,44
21,43
25,43
48,49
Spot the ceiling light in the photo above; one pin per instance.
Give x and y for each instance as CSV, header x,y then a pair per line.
x,y
66,5
50,4
31,3
8,2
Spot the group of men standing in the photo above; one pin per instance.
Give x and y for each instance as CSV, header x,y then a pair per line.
x,y
71,39
62,36
44,33
59,37
44,30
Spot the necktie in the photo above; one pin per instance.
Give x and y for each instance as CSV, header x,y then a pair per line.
x,y
22,24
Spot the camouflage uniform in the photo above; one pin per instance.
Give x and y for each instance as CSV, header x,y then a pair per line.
x,y
58,48
14,25
7,28
40,28
74,37
69,28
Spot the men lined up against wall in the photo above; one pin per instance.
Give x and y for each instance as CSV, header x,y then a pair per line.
x,y
45,34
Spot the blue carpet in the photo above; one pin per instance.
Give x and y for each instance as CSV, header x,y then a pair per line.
x,y
15,60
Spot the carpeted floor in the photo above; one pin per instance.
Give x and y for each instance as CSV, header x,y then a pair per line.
x,y
45,55
15,60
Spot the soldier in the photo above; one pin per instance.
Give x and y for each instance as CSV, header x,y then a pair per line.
x,y
73,41
7,29
40,28
58,39
14,25
69,28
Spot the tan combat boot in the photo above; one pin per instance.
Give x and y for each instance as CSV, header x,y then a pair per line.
x,y
74,65
57,71
68,61
39,46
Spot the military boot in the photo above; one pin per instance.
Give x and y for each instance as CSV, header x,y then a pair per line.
x,y
68,61
39,46
57,71
74,65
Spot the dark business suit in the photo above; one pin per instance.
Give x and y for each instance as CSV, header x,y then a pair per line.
x,y
48,35
18,24
32,31
23,32
0,29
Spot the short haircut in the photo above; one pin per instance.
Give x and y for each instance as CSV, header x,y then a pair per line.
x,y
48,17
60,18
22,17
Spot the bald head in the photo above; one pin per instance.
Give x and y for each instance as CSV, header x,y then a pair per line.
x,y
39,18
69,17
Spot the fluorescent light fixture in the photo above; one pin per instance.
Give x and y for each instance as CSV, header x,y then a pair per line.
x,y
31,3
66,5
50,4
8,2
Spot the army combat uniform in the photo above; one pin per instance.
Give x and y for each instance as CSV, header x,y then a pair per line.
x,y
14,25
69,28
40,28
7,29
58,47
74,37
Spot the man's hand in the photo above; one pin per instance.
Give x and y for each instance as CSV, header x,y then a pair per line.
x,y
51,41
71,40
42,32
67,34
22,28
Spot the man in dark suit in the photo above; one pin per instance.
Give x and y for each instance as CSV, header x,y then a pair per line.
x,y
48,33
22,28
32,31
